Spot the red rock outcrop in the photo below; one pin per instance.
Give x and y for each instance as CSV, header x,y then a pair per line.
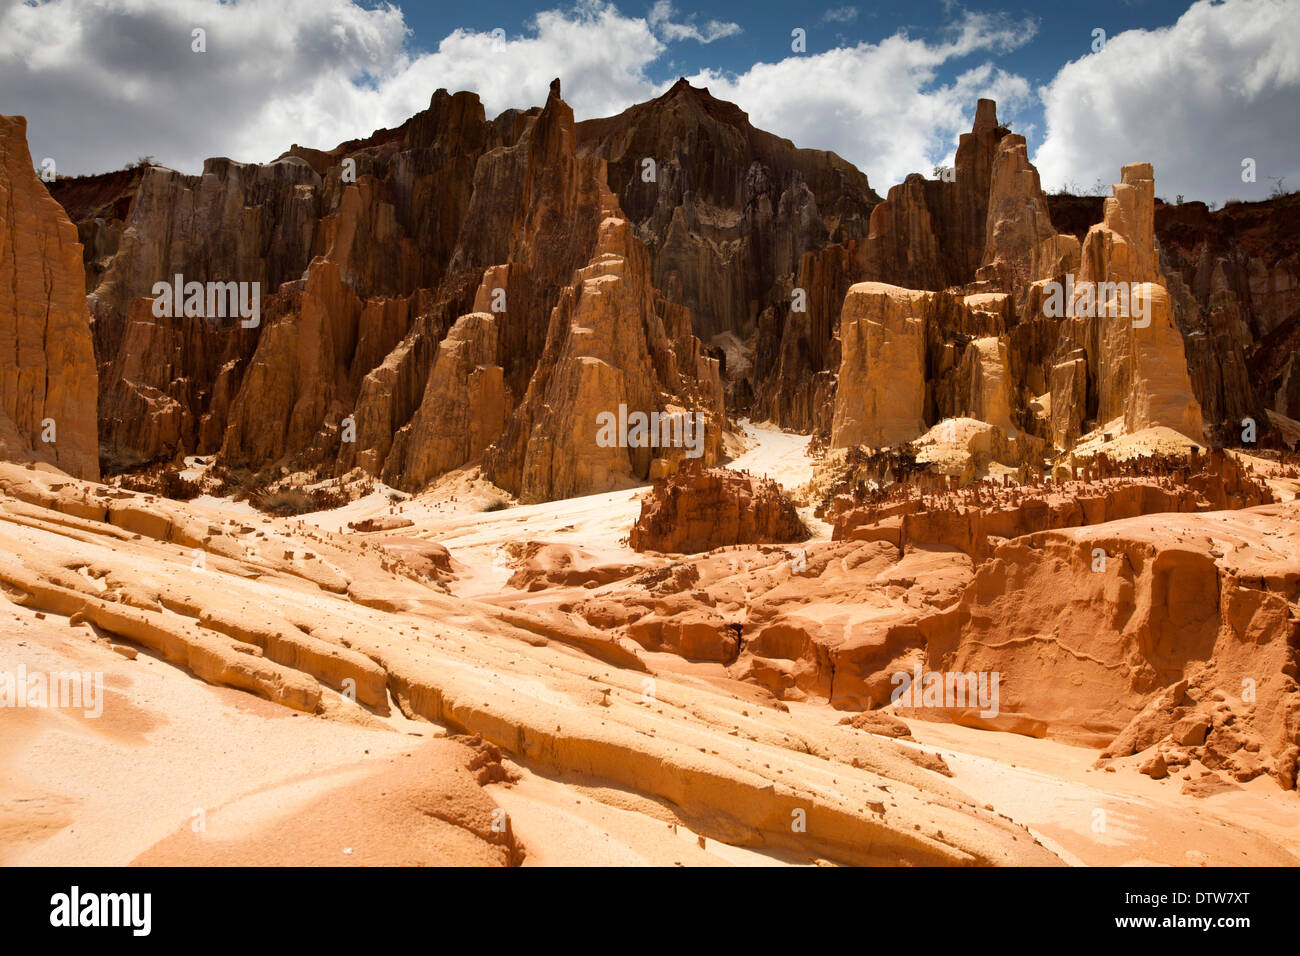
x,y
1232,276
923,238
817,620
1234,280
307,367
700,509
976,518
1024,347
1139,363
910,358
931,234
370,269
47,373
163,380
463,410
99,206
429,279
1021,245
927,235
734,222
1180,613
798,352
389,219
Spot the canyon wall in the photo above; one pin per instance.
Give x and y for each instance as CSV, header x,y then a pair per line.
x,y
395,272
369,255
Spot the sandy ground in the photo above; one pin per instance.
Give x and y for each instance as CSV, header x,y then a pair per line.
x,y
776,454
1097,818
452,514
166,752
267,785
178,771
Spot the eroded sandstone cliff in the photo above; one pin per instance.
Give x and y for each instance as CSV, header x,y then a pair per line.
x,y
47,373
752,240
1049,337
372,260
727,211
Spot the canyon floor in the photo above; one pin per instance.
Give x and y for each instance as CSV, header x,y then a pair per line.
x,y
352,711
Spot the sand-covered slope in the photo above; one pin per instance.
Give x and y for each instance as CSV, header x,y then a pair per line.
x,y
226,602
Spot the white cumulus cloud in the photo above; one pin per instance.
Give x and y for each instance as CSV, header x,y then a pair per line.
x,y
661,21
1196,98
880,105
102,83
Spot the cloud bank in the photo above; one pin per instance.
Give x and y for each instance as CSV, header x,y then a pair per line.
x,y
1195,99
102,83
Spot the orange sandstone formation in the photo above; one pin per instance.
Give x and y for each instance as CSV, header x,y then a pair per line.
x,y
700,508
47,374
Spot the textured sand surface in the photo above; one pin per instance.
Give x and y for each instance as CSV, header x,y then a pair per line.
x,y
610,753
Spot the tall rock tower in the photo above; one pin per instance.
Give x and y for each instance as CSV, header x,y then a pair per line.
x,y
48,383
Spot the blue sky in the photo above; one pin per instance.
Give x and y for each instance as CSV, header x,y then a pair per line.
x,y
1196,88
1064,30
